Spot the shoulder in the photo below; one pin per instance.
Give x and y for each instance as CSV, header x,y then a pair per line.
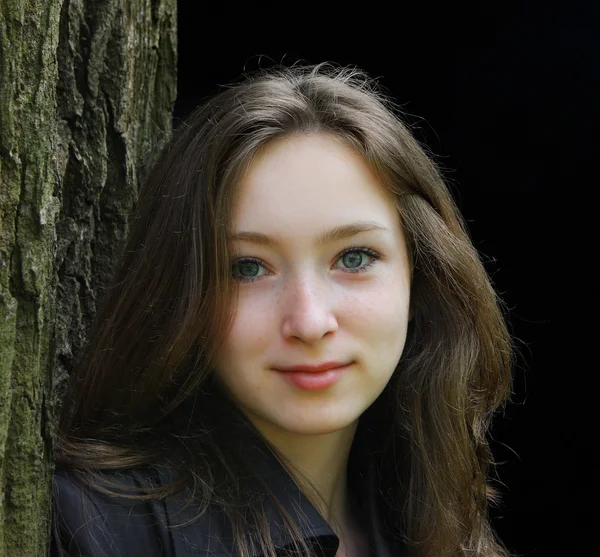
x,y
90,523
93,524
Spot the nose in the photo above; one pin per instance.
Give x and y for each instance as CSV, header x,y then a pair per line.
x,y
307,310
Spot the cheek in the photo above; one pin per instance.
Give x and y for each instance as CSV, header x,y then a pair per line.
x,y
251,328
383,308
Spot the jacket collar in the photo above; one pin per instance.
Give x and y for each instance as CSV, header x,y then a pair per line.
x,y
212,534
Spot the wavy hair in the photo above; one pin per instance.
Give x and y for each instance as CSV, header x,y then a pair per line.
x,y
142,383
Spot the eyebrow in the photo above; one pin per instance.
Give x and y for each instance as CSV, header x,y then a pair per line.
x,y
333,235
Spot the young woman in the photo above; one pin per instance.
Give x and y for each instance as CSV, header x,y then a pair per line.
x,y
302,351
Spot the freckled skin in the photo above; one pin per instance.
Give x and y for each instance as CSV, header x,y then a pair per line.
x,y
305,306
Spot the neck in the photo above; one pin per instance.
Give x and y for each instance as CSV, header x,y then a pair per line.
x,y
323,461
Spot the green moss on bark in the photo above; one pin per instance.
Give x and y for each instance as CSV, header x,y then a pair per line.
x,y
87,91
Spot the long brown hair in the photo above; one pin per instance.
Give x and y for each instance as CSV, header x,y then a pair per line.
x,y
143,385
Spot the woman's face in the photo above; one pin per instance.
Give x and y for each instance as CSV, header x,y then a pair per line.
x,y
304,301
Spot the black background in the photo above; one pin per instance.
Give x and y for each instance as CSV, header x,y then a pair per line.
x,y
506,96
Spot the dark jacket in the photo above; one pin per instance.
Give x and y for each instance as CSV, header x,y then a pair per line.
x,y
92,524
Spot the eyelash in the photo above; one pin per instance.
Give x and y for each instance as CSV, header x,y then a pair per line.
x,y
362,249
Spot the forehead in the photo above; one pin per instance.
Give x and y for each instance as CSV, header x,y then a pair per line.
x,y
304,179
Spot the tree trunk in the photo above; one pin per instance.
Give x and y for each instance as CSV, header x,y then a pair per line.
x,y
86,95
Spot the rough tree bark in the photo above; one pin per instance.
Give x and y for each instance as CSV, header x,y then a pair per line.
x,y
86,95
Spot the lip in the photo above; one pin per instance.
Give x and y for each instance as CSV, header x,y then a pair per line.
x,y
315,380
314,368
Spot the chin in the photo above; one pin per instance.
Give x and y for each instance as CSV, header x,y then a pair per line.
x,y
316,426
306,420
317,429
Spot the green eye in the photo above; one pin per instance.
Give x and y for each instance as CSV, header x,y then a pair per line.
x,y
247,268
352,257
